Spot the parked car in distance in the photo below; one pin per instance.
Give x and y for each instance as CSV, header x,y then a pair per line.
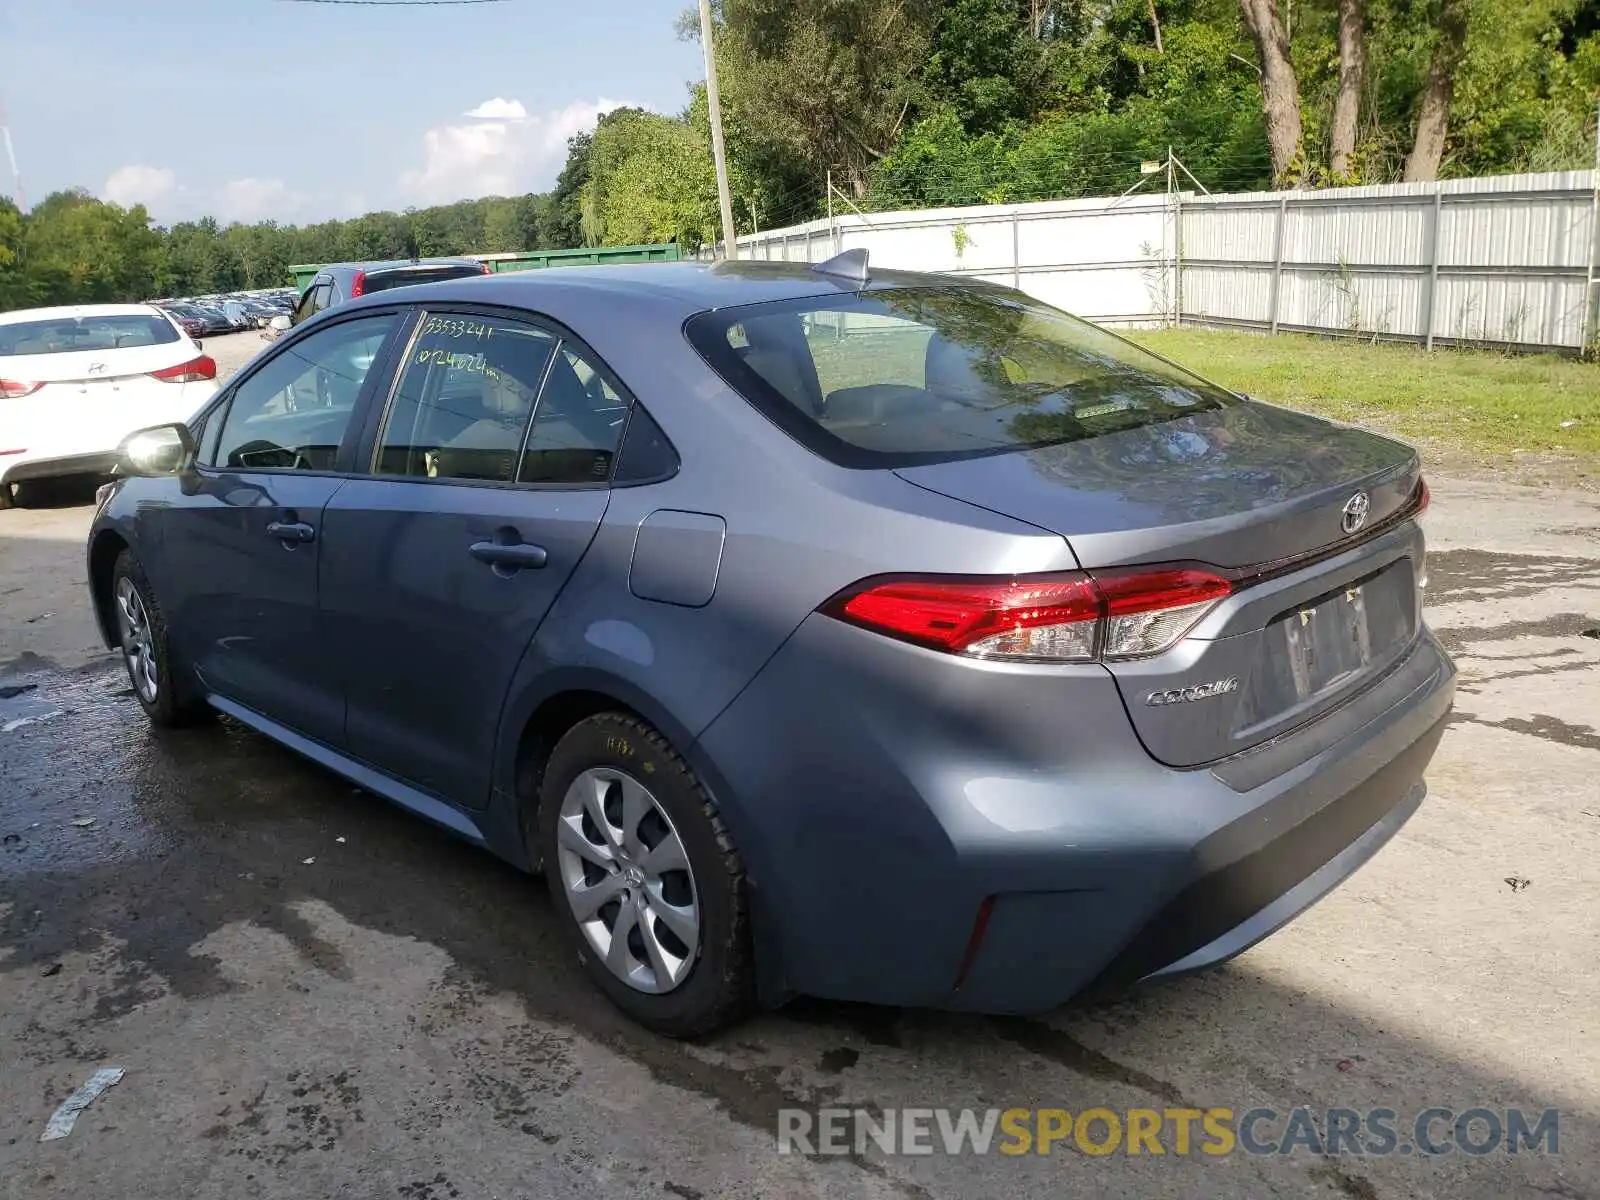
x,y
346,281
201,320
75,381
187,319
870,635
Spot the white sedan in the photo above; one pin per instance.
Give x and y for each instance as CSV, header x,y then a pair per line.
x,y
75,381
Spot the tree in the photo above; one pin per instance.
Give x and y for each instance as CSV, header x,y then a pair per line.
x,y
1352,75
1433,112
829,83
985,63
562,224
650,180
1280,89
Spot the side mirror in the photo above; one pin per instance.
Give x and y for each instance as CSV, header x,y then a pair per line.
x,y
159,450
280,323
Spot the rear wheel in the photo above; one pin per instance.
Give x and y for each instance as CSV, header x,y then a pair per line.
x,y
7,496
645,879
165,690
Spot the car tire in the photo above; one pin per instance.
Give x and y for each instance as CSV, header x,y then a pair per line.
x,y
164,687
598,757
7,496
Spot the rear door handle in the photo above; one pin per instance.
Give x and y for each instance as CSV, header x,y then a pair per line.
x,y
518,556
291,531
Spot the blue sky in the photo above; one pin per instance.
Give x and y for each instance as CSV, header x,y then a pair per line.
x,y
251,109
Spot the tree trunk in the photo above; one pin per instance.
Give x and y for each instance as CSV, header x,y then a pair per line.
x,y
1155,23
1280,90
1352,70
1433,114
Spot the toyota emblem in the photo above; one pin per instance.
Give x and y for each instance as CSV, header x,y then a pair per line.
x,y
1354,514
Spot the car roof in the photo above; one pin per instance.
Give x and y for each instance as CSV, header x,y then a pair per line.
x,y
679,290
65,311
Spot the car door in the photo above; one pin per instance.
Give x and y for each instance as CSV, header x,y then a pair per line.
x,y
490,474
241,549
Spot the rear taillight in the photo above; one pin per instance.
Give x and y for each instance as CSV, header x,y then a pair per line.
x,y
193,371
1070,617
10,390
358,285
1147,611
1424,497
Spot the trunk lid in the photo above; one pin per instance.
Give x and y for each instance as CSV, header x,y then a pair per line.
x,y
96,366
1235,486
1319,610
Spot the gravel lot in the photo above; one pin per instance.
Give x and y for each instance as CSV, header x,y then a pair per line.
x,y
316,995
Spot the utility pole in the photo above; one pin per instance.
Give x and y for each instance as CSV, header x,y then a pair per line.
x,y
1591,297
718,153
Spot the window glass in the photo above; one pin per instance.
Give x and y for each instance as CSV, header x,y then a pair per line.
x,y
464,397
577,425
65,335
292,413
911,375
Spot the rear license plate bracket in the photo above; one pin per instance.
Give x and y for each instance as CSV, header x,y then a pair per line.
x,y
1328,641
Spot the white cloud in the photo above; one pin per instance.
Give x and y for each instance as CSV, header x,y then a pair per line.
x,y
249,200
505,156
499,110
150,186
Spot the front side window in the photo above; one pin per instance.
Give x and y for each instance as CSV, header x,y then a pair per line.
x,y
292,413
915,375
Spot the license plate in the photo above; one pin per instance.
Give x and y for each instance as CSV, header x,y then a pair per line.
x,y
1329,641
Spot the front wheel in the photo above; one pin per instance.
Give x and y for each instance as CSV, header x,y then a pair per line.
x,y
165,691
645,878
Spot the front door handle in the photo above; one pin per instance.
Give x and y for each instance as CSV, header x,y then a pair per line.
x,y
291,531
517,556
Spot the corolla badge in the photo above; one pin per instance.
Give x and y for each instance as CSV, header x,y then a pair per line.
x,y
1200,691
1354,514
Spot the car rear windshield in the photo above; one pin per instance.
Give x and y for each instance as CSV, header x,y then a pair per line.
x,y
917,375
381,280
63,335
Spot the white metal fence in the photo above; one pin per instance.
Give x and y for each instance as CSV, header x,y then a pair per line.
x,y
1508,260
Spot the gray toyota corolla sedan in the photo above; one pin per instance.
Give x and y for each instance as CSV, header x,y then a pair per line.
x,y
867,635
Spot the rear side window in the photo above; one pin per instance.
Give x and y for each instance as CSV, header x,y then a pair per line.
x,y
69,334
917,375
497,401
464,399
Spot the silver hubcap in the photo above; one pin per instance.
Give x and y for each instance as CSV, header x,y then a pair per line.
x,y
137,647
628,880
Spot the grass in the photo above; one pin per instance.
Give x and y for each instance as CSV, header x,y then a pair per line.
x,y
1473,400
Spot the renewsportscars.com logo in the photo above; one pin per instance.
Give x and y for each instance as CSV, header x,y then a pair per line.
x,y
1374,1132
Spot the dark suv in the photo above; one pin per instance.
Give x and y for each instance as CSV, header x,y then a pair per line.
x,y
345,281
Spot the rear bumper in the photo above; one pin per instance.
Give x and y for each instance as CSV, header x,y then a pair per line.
x,y
16,470
878,815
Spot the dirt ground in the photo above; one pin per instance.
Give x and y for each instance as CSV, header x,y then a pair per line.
x,y
313,994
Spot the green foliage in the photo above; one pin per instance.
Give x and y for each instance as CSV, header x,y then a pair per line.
x,y
651,180
904,104
76,249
